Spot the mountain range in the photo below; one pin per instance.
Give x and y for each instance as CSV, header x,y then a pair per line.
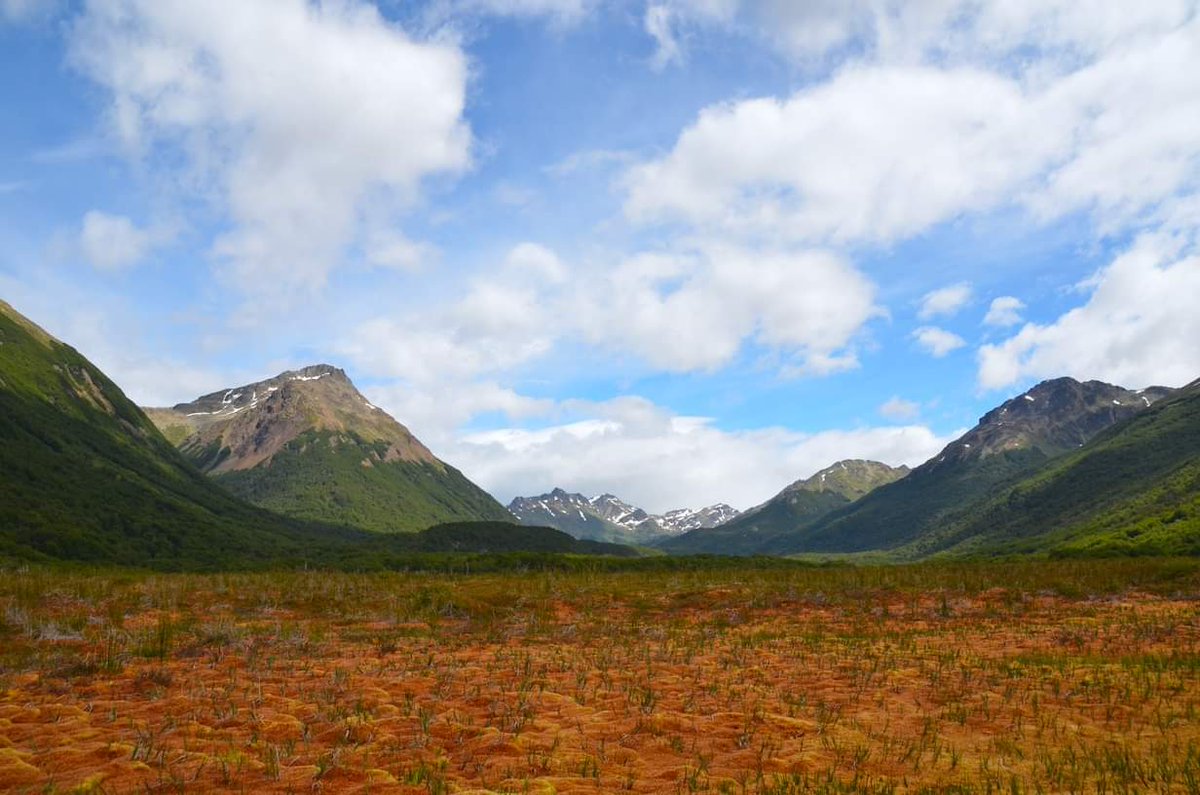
x,y
302,468
86,476
607,518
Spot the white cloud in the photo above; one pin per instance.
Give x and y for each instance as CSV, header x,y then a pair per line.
x,y
677,311
897,408
290,112
500,321
936,341
906,31
112,242
885,150
1138,327
875,154
682,311
589,160
658,25
389,248
436,415
659,460
944,302
1004,311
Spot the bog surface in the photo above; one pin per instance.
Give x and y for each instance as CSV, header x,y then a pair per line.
x,y
1053,677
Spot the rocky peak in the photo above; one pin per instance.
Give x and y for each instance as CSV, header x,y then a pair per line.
x,y
256,420
1055,416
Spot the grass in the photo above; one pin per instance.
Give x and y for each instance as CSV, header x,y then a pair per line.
x,y
1050,676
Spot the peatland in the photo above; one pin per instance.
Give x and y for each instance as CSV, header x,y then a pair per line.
x,y
722,677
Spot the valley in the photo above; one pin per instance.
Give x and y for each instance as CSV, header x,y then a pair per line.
x,y
963,678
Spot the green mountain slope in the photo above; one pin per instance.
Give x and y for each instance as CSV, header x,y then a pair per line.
x,y
797,506
1010,442
1133,490
307,444
86,477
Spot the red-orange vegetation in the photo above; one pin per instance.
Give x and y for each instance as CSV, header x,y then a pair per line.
x,y
732,681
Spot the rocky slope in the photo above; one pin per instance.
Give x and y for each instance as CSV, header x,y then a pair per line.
x,y
307,443
607,518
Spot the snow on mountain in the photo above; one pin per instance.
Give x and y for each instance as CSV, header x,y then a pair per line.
x,y
608,518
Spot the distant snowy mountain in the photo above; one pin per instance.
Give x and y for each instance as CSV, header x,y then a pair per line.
x,y
608,518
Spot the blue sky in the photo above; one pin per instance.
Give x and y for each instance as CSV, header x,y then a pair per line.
x,y
684,251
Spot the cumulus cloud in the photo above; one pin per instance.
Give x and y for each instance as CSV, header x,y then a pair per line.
x,y
693,310
501,320
675,310
1004,311
660,460
112,242
885,150
290,113
944,302
897,408
937,341
875,154
1138,327
437,415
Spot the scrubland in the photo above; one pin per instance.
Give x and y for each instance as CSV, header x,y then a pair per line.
x,y
1067,676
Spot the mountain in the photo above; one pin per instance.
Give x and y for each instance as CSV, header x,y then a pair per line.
x,y
607,518
798,505
86,476
1013,440
306,443
1134,489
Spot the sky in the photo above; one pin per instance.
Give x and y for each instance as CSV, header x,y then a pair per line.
x,y
682,251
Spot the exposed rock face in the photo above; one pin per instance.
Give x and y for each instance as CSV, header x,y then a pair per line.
x,y
255,421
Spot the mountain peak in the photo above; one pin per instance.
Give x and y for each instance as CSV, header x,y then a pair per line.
x,y
1054,416
606,517
307,442
851,478
249,424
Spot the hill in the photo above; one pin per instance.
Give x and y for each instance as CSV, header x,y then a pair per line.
x,y
1012,441
306,443
86,477
1132,490
797,506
